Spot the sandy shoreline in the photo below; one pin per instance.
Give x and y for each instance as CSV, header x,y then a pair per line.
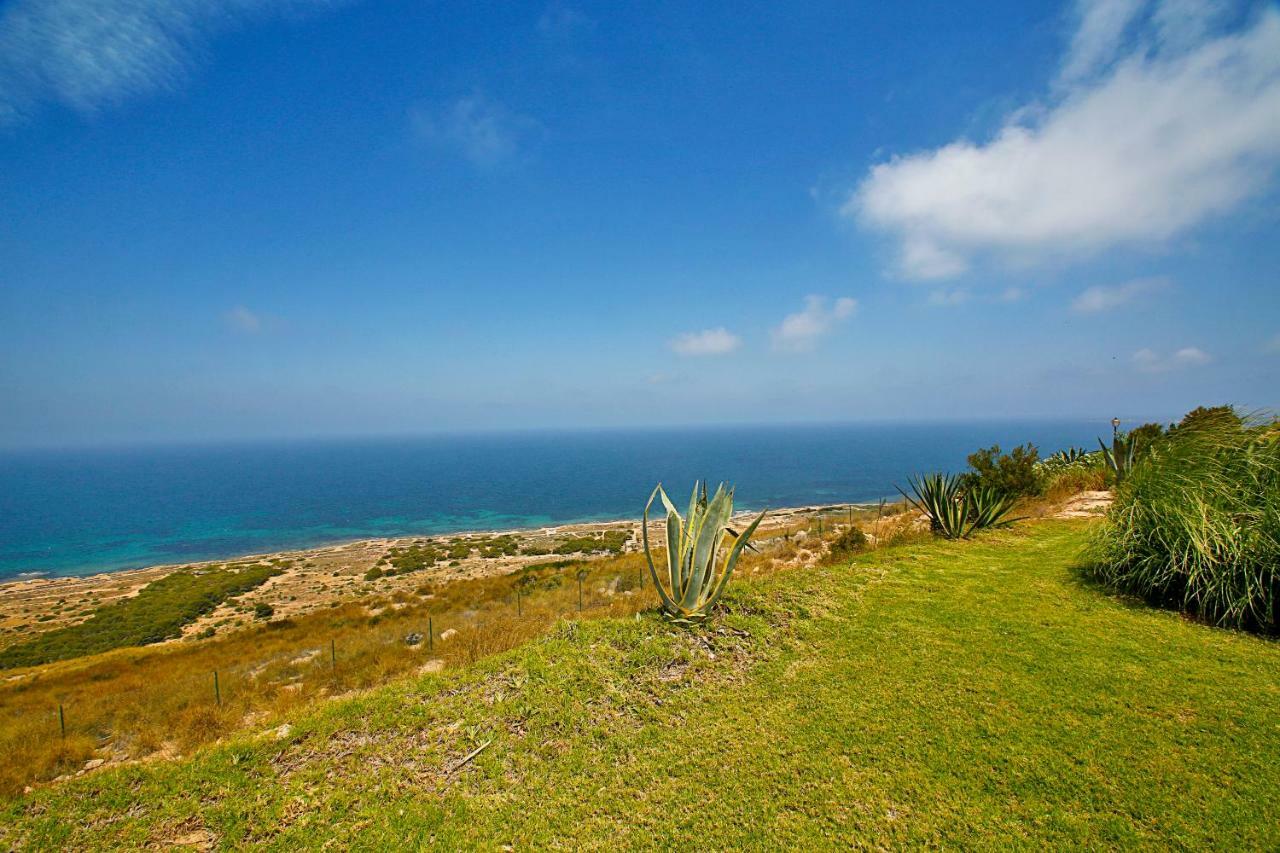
x,y
314,577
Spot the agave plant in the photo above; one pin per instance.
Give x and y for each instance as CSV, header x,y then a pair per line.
x,y
939,497
988,508
953,512
694,579
1066,458
1120,456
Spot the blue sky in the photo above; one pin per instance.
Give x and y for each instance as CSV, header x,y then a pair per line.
x,y
253,218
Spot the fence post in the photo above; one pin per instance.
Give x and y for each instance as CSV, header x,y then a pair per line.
x,y
431,634
519,608
579,592
333,654
217,691
62,721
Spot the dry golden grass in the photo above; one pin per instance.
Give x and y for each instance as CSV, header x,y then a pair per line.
x,y
160,701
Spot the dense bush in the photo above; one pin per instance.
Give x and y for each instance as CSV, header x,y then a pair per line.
x,y
156,613
850,542
1013,473
1196,525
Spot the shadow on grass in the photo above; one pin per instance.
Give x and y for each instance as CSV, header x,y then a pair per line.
x,y
1082,576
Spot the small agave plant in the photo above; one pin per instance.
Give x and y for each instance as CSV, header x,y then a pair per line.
x,y
693,580
1121,456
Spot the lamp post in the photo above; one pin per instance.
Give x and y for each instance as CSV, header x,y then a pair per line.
x,y
1115,428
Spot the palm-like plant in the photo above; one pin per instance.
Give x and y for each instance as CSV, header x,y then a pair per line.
x,y
694,581
954,512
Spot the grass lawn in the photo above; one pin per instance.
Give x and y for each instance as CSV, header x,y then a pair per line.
x,y
974,694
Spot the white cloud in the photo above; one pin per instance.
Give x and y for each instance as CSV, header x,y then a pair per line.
x,y
87,54
241,319
1134,146
484,132
1094,300
717,341
1013,294
800,332
1150,361
1099,33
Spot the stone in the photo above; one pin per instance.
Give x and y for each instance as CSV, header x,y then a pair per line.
x,y
413,639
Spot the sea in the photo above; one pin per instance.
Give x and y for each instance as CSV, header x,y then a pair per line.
x,y
84,511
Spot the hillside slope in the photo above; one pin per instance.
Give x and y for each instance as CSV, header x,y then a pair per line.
x,y
968,694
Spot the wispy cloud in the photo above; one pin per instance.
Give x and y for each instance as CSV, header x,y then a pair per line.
x,y
87,54
484,132
1094,300
1158,121
717,341
801,331
944,297
241,319
560,20
1272,345
1150,361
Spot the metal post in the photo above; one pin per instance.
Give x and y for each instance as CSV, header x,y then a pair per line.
x,y
431,634
519,608
333,655
62,721
217,691
579,593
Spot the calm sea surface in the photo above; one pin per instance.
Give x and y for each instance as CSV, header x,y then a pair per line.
x,y
84,511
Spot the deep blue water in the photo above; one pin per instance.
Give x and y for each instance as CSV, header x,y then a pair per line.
x,y
84,511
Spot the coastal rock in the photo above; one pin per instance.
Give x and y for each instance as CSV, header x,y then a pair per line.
x,y
413,639
94,763
283,731
448,633
433,665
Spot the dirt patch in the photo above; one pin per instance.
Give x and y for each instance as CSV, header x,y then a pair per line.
x,y
1085,505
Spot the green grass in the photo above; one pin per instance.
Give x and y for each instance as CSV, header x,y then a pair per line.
x,y
156,613
959,694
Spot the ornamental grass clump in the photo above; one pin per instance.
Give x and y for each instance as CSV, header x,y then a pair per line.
x,y
1196,525
694,580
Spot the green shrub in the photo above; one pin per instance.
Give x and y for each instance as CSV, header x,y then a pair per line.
x,y
1013,473
850,541
1196,525
262,610
156,613
373,574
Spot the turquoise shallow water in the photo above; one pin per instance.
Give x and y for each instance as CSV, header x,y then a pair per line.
x,y
85,511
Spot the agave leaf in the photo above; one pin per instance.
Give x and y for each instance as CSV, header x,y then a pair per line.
x,y
715,516
732,561
667,600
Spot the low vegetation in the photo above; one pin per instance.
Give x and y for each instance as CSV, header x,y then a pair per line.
x,y
944,694
156,613
956,511
694,578
1196,522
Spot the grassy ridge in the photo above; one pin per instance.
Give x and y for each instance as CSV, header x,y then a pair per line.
x,y
955,694
156,613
